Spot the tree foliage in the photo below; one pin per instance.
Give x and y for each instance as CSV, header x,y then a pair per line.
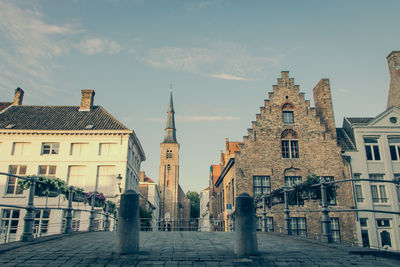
x,y
194,198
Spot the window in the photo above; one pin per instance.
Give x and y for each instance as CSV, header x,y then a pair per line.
x,y
41,223
290,149
335,230
19,149
385,239
394,147
376,176
12,182
106,149
106,180
270,224
365,238
359,194
47,170
76,222
288,117
372,149
259,222
169,154
233,192
331,201
298,226
363,222
50,148
383,222
9,225
77,177
261,185
79,149
397,176
378,194
292,180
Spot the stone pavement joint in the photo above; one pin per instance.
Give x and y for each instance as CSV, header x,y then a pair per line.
x,y
186,249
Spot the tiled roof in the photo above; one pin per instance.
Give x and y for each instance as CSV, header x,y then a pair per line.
x,y
58,118
344,140
4,105
359,120
234,146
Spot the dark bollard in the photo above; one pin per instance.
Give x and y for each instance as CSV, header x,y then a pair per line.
x,y
245,229
128,223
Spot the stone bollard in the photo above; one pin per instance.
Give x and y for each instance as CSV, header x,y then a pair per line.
x,y
128,223
245,229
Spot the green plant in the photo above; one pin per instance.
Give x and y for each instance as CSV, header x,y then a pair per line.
x,y
112,207
45,184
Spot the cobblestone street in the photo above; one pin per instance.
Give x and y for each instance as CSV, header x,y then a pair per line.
x,y
185,249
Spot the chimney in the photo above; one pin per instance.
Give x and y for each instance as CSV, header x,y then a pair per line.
x,y
393,60
323,105
141,176
87,100
18,97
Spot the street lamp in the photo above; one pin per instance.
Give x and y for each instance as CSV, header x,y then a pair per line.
x,y
119,180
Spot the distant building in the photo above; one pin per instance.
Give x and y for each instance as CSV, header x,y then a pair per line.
x,y
372,145
289,141
83,145
174,205
225,186
215,171
204,220
149,190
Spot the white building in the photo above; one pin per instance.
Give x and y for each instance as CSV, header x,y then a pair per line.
x,y
204,220
82,145
372,146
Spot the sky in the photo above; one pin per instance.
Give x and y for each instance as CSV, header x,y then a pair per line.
x,y
220,57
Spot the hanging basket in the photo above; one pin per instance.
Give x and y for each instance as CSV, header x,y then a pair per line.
x,y
42,190
79,197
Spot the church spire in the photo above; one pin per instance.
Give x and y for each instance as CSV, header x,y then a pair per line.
x,y
170,131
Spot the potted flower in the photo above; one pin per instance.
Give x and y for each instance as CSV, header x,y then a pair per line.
x,y
77,195
110,206
45,186
99,199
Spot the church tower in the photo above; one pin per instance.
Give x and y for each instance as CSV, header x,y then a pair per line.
x,y
169,174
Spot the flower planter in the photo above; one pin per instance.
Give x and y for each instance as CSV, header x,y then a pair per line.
x,y
79,197
98,203
46,191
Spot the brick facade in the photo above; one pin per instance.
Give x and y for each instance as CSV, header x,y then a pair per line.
x,y
318,151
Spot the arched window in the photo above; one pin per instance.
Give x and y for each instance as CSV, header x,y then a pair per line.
x,y
289,144
287,113
385,238
169,154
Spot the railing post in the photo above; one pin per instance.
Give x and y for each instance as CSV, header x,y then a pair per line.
x,y
29,218
245,231
92,215
264,214
286,215
68,223
128,223
107,226
325,220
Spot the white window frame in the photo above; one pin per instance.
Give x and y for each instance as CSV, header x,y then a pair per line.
x,y
22,150
359,193
9,225
288,116
290,150
16,190
261,184
79,149
371,145
291,180
378,190
41,223
50,148
50,170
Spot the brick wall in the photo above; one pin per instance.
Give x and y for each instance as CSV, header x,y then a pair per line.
x,y
319,153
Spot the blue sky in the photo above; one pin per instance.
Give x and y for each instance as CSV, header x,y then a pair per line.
x,y
222,58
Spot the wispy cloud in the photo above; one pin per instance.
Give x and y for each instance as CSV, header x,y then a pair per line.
x,y
229,77
97,45
29,45
222,60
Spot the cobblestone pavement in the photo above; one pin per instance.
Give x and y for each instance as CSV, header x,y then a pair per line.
x,y
185,249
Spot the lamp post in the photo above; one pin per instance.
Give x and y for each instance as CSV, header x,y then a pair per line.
x,y
119,181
